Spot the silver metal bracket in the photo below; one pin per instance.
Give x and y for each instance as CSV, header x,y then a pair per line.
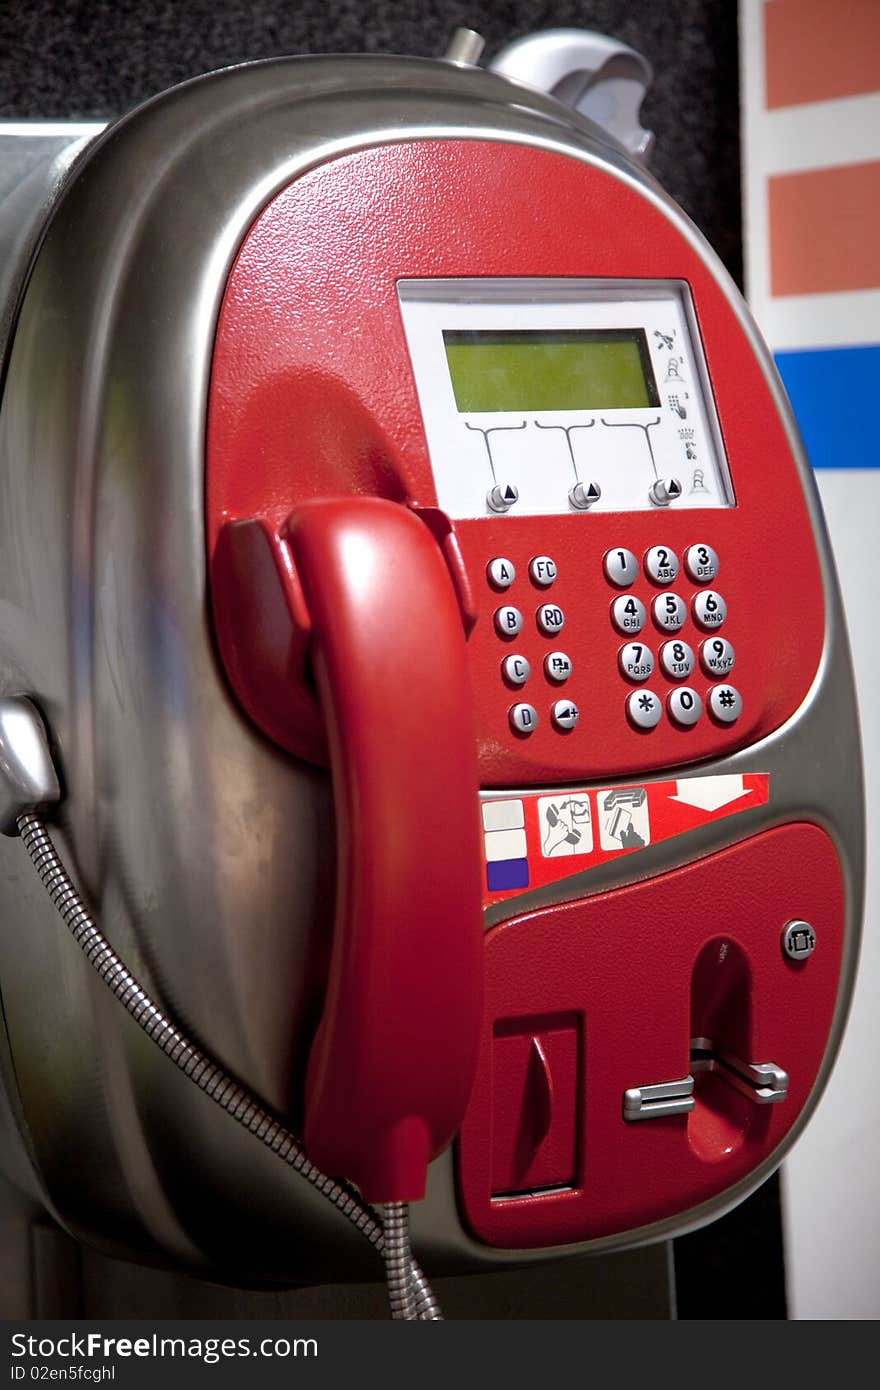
x,y
662,1098
599,77
763,1082
27,776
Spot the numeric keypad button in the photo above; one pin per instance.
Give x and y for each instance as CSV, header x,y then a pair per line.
x,y
542,571
628,614
564,715
644,709
709,609
636,661
725,703
508,621
557,667
701,563
685,706
516,669
677,660
523,718
717,656
669,612
551,619
501,572
621,568
661,564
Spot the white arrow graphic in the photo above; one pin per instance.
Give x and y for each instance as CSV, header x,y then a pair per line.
x,y
709,793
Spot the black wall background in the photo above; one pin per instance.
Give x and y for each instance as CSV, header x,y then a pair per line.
x,y
71,59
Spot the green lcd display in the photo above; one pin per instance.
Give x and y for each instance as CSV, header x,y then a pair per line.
x,y
558,369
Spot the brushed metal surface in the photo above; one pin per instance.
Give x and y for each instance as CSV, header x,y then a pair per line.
x,y
205,852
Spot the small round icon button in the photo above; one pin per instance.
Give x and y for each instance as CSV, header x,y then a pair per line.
x,y
542,571
717,656
523,718
798,939
565,715
669,612
628,614
501,572
644,709
725,703
621,568
502,497
551,619
516,669
557,667
508,621
710,609
661,564
701,563
636,661
685,706
677,660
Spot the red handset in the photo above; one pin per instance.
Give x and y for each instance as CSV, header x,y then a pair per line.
x,y
393,1061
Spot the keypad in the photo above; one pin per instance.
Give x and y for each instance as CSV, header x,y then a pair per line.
x,y
677,661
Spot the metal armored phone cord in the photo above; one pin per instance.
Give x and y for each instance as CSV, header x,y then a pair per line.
x,y
409,1293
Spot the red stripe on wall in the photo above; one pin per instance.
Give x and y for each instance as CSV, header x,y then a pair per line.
x,y
816,50
823,230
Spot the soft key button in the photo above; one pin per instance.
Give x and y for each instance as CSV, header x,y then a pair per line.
x,y
636,661
551,619
516,669
628,614
557,667
501,573
621,568
508,621
701,563
565,715
523,718
542,571
661,564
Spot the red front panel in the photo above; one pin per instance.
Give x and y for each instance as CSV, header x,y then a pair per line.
x,y
633,975
312,395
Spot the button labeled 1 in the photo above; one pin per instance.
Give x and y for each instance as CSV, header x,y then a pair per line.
x,y
621,568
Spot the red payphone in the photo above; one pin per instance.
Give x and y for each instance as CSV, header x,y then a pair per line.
x,y
411,553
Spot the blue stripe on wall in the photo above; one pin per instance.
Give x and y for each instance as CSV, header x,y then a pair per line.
x,y
835,394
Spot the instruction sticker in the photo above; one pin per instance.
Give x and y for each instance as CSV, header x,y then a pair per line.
x,y
529,841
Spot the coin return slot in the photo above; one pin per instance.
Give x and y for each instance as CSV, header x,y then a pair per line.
x,y
535,1106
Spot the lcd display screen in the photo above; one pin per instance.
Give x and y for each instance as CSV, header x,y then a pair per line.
x,y
558,369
